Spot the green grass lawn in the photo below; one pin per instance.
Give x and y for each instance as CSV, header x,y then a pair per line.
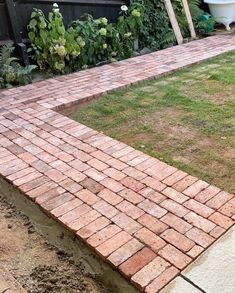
x,y
186,119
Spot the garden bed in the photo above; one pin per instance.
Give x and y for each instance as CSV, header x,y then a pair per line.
x,y
185,119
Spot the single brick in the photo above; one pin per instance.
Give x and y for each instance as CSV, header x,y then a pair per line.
x,y
176,223
70,185
27,157
133,184
175,256
79,165
200,237
150,239
134,173
112,184
217,232
174,207
162,280
152,224
124,252
153,209
66,207
116,164
220,199
195,188
131,196
199,208
63,156
55,175
137,160
41,166
126,223
75,175
156,168
199,222
221,220
46,187
228,209
27,178
94,174
91,185
115,174
131,210
175,177
87,197
113,243
145,164
152,195
174,195
195,251
153,183
97,164
178,240
75,214
103,235
84,220
53,203
33,184
101,156
148,273
93,227
21,173
53,193
110,196
207,194
137,262
182,184
105,209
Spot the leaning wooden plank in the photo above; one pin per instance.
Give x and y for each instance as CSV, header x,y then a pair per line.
x,y
174,21
189,19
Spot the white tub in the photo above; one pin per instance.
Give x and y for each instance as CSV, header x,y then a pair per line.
x,y
223,11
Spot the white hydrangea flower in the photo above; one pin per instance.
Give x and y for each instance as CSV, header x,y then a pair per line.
x,y
124,8
55,5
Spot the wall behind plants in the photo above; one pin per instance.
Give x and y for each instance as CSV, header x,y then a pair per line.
x,y
71,9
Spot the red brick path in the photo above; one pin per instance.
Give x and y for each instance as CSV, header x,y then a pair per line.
x,y
144,217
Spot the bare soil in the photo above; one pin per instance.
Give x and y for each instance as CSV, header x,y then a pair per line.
x,y
38,266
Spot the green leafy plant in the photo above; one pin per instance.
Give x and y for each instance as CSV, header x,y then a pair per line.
x,y
11,72
53,47
99,38
129,25
156,32
106,41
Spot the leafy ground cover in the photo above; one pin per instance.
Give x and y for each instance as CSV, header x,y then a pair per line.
x,y
186,119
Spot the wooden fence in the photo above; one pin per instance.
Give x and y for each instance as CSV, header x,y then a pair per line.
x,y
15,15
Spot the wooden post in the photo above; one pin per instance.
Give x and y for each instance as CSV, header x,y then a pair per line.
x,y
20,46
189,19
174,22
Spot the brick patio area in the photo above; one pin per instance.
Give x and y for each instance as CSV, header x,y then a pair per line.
x,y
146,218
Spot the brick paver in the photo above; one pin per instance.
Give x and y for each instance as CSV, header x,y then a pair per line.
x,y
146,218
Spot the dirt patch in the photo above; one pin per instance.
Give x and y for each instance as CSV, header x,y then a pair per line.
x,y
35,264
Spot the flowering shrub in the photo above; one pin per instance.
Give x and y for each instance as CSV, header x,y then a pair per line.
x,y
100,40
53,46
86,42
130,23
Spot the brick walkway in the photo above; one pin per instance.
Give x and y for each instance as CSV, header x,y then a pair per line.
x,y
146,218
